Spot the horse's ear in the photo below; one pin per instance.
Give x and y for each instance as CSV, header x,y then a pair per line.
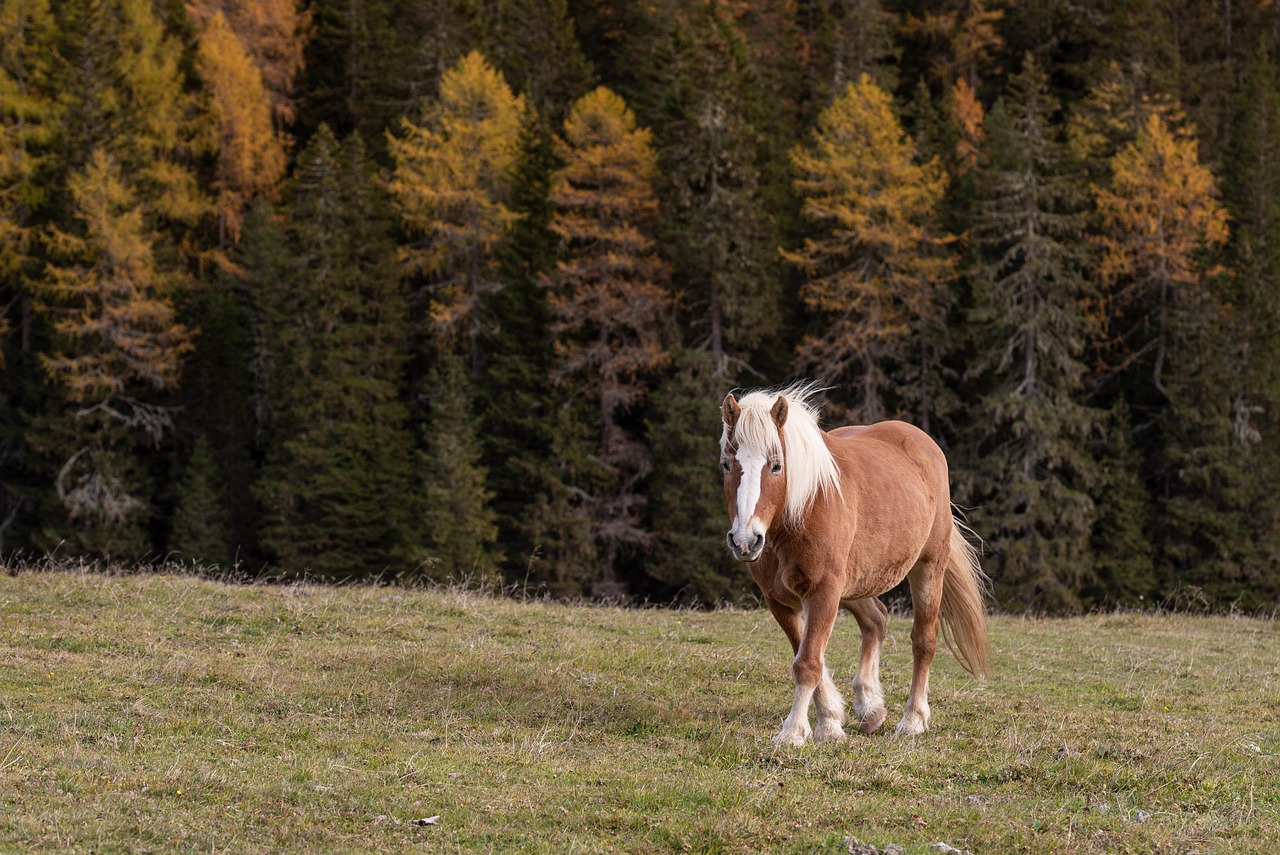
x,y
730,410
779,412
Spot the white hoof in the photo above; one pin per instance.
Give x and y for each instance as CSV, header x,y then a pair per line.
x,y
793,737
911,725
829,730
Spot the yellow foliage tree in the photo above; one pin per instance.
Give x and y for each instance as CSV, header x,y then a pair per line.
x,y
116,337
875,264
1160,212
274,35
608,305
451,183
251,154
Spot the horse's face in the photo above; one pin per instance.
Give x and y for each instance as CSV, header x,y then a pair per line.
x,y
755,482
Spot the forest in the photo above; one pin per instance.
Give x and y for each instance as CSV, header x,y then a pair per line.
x,y
451,290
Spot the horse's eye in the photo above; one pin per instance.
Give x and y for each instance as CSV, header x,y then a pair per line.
x,y
724,466
777,467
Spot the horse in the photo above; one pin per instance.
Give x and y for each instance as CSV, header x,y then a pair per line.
x,y
831,519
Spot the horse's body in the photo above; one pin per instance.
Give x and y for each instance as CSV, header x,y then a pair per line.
x,y
832,519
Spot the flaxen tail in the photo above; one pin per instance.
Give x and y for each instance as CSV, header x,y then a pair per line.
x,y
964,605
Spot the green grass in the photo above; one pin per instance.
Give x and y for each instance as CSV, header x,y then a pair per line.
x,y
160,713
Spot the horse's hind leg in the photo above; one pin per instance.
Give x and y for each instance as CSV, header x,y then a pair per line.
x,y
868,696
813,682
926,602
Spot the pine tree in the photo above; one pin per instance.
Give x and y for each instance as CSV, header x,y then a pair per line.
x,y
201,525
116,345
875,265
608,308
336,487
451,184
1034,471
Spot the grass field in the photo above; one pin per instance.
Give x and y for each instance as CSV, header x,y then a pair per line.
x,y
160,713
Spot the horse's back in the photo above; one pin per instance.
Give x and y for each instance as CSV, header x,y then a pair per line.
x,y
891,439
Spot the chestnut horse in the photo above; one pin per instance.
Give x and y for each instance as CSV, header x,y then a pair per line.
x,y
836,518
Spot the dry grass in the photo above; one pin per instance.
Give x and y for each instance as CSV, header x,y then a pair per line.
x,y
161,713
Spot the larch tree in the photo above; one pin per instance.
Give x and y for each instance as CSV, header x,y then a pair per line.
x,y
273,34
117,346
336,488
874,264
451,185
1161,217
1033,470
251,153
1158,214
609,309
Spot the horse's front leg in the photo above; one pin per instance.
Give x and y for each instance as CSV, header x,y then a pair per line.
x,y
809,634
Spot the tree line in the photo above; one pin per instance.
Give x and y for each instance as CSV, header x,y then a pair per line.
x,y
385,289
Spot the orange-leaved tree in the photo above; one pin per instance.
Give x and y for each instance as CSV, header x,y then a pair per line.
x,y
1158,215
874,262
251,152
609,307
117,344
451,185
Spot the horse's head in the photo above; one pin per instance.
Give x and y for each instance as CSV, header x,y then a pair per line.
x,y
755,473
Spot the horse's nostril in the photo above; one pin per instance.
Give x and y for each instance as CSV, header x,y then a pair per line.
x,y
758,543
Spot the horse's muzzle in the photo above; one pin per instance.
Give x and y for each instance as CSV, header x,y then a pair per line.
x,y
750,553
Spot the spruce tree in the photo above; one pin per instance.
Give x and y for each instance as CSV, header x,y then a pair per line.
x,y
515,399
1033,470
336,489
201,524
457,521
716,232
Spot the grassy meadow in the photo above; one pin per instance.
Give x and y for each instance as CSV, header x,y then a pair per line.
x,y
159,713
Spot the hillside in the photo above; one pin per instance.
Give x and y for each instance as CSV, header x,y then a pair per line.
x,y
162,713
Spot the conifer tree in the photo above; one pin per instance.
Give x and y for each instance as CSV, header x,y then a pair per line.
x,y
608,308
1034,470
516,399
273,34
715,233
120,89
457,520
1159,212
451,185
874,265
201,525
251,153
687,493
336,489
117,344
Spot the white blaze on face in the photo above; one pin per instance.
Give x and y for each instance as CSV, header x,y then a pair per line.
x,y
746,526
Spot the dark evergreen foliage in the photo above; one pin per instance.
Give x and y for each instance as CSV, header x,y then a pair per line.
x,y
1108,391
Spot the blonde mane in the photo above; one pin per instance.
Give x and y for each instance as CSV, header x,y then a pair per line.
x,y
810,467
